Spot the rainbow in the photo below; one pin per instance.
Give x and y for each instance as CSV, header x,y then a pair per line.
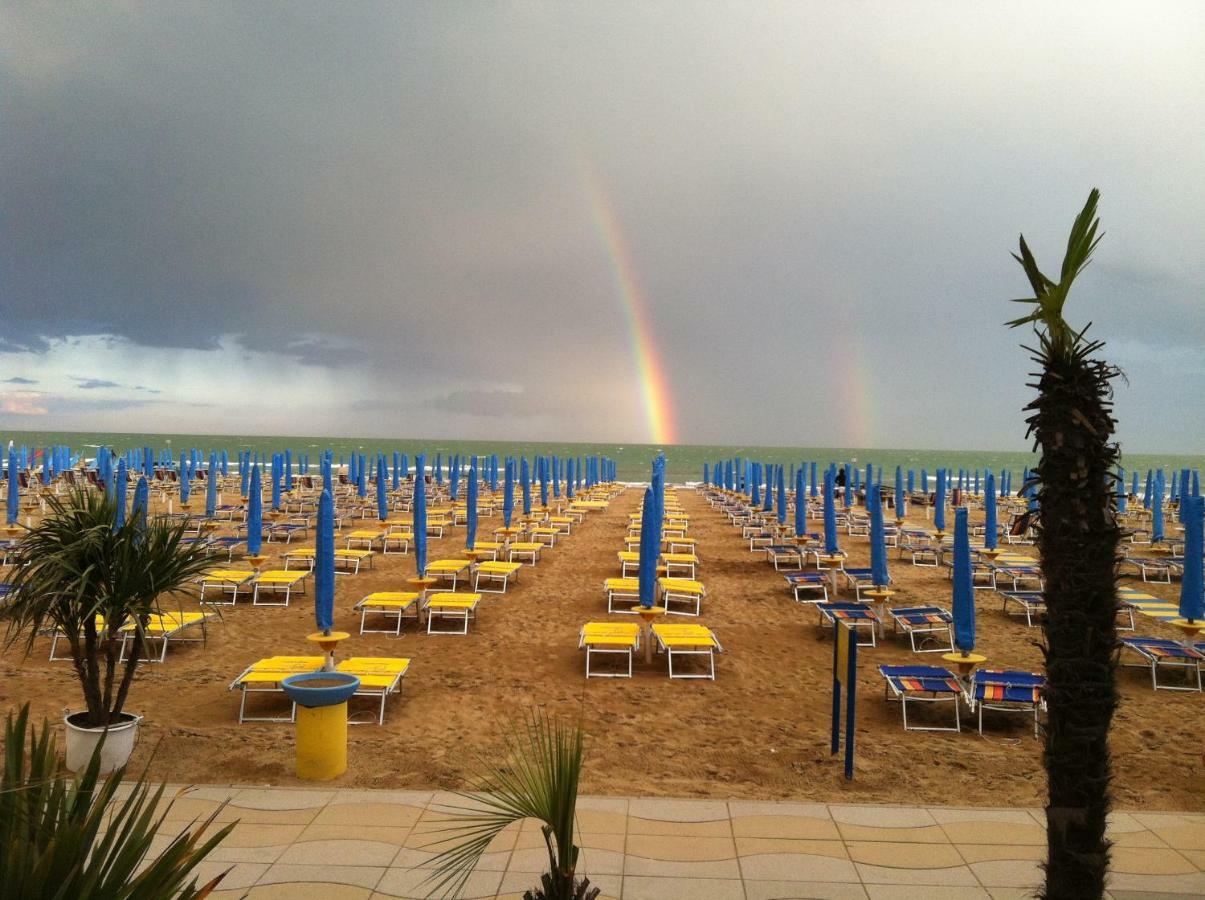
x,y
653,383
855,390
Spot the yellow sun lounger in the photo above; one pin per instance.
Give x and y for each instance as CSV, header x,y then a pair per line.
x,y
395,605
496,573
275,582
454,607
629,563
616,638
563,524
685,564
492,548
227,581
448,569
366,539
683,591
165,627
624,590
544,534
526,551
379,677
687,640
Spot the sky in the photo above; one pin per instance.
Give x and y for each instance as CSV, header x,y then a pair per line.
x,y
666,222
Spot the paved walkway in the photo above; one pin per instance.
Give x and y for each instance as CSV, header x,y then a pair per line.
x,y
345,844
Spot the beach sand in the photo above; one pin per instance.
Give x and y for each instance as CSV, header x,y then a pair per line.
x,y
760,731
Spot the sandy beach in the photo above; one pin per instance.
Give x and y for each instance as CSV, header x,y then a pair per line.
x,y
760,731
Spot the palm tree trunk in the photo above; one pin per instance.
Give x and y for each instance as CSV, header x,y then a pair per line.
x,y
1078,539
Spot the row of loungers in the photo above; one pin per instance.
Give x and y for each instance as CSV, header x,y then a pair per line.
x,y
679,643
993,689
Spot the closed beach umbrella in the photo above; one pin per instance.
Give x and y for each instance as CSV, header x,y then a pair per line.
x,y
255,514
1192,583
454,479
361,478
328,475
185,481
1146,494
878,537
420,516
650,548
470,531
543,482
288,473
830,516
397,469
813,490
569,471
119,494
211,487
924,481
225,463
141,506
508,492
706,473
990,538
939,510
244,471
525,483
901,499
754,487
1157,509
1121,490
782,498
768,499
556,477
849,482
801,505
382,491
439,468
964,588
324,565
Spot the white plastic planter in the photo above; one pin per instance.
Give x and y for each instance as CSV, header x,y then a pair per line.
x,y
119,742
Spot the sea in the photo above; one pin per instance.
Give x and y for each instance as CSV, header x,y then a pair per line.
x,y
684,462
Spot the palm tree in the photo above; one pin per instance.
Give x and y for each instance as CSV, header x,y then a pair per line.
x,y
1072,423
536,778
79,574
80,838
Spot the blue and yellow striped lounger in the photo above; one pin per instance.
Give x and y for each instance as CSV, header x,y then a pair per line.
x,y
1007,691
1166,653
923,684
854,614
808,581
1031,602
925,621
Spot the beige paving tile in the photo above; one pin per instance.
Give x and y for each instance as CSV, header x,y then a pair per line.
x,y
989,826
254,816
904,855
739,808
410,883
682,888
718,828
948,876
679,869
217,793
417,799
316,831
929,892
280,798
398,815
308,891
601,821
785,826
184,809
753,846
1180,832
1015,873
339,853
1183,884
255,843
617,805
678,810
930,834
973,853
798,867
239,876
1006,893
803,890
357,876
881,816
662,846
1196,857
1137,838
1149,861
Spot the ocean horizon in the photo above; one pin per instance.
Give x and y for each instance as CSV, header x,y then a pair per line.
x,y
684,462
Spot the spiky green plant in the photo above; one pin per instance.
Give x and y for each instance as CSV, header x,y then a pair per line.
x,y
77,566
76,838
536,777
1071,421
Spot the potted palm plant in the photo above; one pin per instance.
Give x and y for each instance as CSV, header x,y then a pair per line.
x,y
79,837
536,777
97,584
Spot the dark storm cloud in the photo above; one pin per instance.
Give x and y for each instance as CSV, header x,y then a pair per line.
x,y
818,200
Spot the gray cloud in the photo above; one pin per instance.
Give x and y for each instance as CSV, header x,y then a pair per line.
x,y
92,384
816,201
17,379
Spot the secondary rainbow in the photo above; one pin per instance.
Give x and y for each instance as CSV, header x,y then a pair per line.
x,y
654,387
